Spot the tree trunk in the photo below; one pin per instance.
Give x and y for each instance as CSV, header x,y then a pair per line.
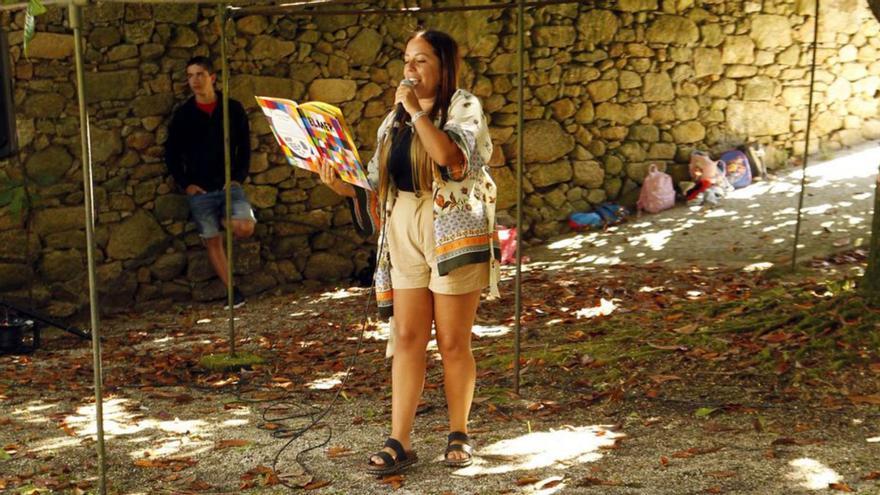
x,y
871,280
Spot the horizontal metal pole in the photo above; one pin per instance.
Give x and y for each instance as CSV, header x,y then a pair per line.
x,y
85,3
296,8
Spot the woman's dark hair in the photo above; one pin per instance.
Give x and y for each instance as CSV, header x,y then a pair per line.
x,y
446,50
424,170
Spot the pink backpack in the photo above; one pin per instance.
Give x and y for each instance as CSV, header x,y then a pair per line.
x,y
657,193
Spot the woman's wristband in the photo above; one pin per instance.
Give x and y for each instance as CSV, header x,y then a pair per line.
x,y
416,116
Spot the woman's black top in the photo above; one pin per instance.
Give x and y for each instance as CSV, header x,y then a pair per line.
x,y
399,162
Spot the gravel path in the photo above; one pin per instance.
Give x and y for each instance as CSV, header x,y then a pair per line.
x,y
752,226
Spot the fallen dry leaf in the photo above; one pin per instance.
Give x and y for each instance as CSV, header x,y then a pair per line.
x,y
226,444
527,480
687,329
841,487
394,480
865,399
338,451
684,454
658,379
314,485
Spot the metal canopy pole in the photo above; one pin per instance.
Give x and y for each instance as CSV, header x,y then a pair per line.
x,y
227,165
296,8
797,228
520,4
519,196
75,11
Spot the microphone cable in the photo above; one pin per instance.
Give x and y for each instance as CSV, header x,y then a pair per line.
x,y
293,434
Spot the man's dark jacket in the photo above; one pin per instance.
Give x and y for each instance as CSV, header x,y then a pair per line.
x,y
194,149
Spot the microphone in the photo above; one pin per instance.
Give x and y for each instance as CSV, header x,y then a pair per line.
x,y
400,110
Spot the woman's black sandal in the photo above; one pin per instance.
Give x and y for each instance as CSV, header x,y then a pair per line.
x,y
465,446
391,465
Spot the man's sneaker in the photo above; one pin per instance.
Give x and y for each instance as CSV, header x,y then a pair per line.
x,y
237,299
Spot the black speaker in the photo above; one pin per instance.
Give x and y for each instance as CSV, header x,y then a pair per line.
x,y
8,141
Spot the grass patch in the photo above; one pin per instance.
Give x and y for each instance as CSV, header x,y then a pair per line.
x,y
799,331
227,362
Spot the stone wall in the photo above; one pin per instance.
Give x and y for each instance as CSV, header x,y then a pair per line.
x,y
611,86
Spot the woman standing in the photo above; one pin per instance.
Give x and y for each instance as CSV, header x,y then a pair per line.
x,y
437,246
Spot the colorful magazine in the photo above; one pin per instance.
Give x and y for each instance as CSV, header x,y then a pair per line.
x,y
312,132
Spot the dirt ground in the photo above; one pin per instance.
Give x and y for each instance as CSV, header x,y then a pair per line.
x,y
663,424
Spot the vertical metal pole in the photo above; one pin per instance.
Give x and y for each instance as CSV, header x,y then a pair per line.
x,y
797,228
519,194
227,158
75,12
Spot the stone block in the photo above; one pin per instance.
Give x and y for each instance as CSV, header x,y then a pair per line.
x,y
332,90
597,26
48,166
168,266
328,267
111,85
543,175
61,266
137,236
673,29
51,46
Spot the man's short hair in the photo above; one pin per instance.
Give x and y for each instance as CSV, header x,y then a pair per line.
x,y
203,62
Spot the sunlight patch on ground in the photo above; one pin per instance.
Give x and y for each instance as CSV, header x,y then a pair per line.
x,y
605,308
53,444
651,289
184,434
653,240
720,213
812,474
599,260
327,382
758,267
171,446
575,242
860,164
382,331
344,293
29,414
118,421
547,486
874,440
491,331
556,448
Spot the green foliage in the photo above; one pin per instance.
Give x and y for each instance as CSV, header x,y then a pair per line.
x,y
34,8
14,195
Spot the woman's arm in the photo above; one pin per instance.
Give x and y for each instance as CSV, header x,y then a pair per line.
x,y
332,180
437,143
442,150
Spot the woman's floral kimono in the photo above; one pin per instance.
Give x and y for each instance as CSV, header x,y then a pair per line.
x,y
464,204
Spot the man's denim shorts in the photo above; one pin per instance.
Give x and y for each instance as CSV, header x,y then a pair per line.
x,y
208,209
